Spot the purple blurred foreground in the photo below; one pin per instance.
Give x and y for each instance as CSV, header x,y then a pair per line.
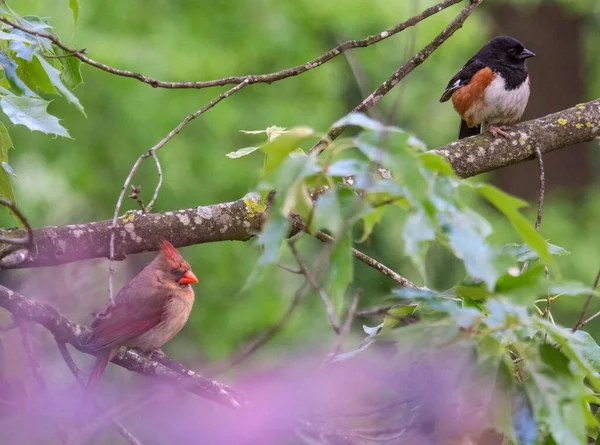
x,y
418,399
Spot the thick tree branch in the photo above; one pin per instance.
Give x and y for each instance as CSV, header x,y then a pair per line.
x,y
480,154
66,331
235,221
138,232
252,78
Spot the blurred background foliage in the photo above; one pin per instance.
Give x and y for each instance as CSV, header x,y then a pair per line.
x,y
77,180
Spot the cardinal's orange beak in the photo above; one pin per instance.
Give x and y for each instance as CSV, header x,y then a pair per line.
x,y
188,278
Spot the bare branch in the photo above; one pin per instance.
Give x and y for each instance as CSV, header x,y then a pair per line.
x,y
401,73
372,263
36,370
312,279
250,79
152,152
158,185
138,232
479,154
68,332
264,337
580,323
17,240
339,341
62,347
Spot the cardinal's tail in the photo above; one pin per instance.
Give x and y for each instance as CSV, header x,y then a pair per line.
x,y
466,132
102,360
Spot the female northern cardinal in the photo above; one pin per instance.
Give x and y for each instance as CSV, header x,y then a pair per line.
x,y
148,311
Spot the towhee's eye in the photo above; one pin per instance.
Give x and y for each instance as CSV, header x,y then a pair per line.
x,y
512,51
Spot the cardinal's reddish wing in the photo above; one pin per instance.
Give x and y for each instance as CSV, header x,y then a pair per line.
x,y
123,322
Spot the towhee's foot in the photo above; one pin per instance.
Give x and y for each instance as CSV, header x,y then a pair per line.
x,y
495,131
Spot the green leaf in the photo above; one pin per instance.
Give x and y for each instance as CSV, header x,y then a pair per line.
x,y
6,188
525,288
279,148
70,69
32,113
34,74
241,152
348,167
5,143
359,120
328,213
461,315
370,220
573,347
509,205
522,252
54,76
473,291
395,315
74,5
275,231
437,163
558,398
467,238
297,200
16,37
341,269
587,348
418,233
10,71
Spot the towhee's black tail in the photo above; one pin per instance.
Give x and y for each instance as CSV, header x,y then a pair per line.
x,y
466,132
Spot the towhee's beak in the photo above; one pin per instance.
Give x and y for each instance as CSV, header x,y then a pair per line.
x,y
526,54
188,278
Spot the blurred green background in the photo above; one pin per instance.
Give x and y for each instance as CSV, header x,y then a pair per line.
x,y
64,181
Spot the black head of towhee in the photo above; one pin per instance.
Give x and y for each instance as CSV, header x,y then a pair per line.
x,y
492,88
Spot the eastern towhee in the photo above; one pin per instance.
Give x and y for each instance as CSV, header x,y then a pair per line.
x,y
492,88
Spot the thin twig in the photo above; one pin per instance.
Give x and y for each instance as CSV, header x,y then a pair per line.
x,y
540,206
299,225
126,408
264,337
362,81
289,269
33,363
148,208
262,78
405,282
400,73
339,341
408,50
62,347
317,287
376,311
23,241
135,195
16,250
147,154
63,56
580,323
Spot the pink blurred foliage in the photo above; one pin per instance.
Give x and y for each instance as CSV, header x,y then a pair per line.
x,y
415,398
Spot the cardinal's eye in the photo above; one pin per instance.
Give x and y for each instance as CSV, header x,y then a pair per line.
x,y
174,271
